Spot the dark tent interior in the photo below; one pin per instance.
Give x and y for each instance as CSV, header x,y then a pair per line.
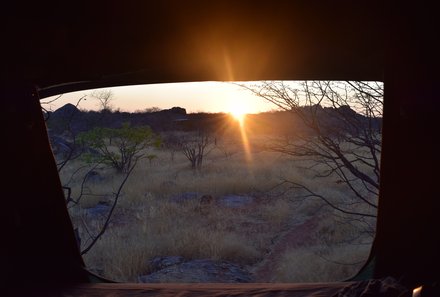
x,y
70,46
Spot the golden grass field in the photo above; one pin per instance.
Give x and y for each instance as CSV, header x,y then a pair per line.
x,y
146,223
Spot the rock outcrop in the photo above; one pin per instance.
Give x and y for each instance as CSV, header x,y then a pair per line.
x,y
175,269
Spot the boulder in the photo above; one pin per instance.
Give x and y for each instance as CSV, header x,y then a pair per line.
x,y
158,263
94,177
235,201
199,271
100,210
61,146
185,197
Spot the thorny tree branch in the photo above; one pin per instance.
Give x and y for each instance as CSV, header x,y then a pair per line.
x,y
311,193
83,183
339,131
115,202
70,156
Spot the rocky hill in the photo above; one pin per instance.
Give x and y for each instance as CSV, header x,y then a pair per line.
x,y
74,120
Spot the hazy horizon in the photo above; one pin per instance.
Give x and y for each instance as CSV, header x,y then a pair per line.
x,y
210,97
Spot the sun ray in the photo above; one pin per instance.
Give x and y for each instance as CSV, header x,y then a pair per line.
x,y
239,114
245,140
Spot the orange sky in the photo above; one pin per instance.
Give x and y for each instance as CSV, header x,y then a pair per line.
x,y
194,97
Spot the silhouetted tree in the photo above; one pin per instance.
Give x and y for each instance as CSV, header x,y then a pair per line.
x,y
104,97
341,134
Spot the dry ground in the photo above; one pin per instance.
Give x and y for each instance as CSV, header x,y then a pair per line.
x,y
278,237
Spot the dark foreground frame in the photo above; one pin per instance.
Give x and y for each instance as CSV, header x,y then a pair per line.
x,y
50,49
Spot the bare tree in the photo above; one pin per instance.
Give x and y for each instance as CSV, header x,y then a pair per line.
x,y
172,141
104,97
338,130
195,148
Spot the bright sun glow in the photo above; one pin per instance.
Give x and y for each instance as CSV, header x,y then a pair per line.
x,y
239,113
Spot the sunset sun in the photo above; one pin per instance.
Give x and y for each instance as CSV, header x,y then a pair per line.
x,y
239,113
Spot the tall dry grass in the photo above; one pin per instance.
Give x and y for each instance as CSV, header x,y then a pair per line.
x,y
338,251
320,263
147,223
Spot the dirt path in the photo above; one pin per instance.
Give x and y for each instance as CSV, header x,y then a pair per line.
x,y
297,236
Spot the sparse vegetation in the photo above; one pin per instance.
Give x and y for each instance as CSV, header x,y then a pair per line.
x,y
151,219
120,147
340,134
158,208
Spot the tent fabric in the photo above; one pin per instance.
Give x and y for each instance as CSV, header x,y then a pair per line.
x,y
47,49
35,223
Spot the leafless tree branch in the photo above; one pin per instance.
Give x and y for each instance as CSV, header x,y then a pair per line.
x,y
109,215
339,130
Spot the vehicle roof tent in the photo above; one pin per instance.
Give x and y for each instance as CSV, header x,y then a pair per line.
x,y
60,47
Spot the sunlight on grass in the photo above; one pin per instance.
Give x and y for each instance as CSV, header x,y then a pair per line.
x,y
147,223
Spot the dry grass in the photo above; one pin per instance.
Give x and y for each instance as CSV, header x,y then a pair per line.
x,y
320,263
169,229
338,251
147,224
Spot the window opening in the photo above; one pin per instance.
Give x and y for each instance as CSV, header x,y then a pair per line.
x,y
265,181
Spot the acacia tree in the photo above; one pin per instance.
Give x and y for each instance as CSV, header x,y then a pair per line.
x,y
338,130
122,147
